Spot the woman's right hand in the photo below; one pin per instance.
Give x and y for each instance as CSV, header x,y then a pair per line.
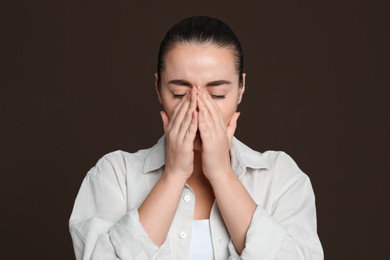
x,y
180,131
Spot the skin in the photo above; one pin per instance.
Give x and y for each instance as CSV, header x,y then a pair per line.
x,y
199,92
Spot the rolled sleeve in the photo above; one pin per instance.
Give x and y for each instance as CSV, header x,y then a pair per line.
x,y
131,240
126,239
102,227
288,229
264,238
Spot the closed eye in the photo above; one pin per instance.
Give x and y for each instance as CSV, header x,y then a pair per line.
x,y
218,96
178,95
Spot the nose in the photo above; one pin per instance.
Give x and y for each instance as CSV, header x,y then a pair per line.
x,y
196,89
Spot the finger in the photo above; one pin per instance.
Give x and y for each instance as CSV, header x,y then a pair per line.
x,y
204,119
212,107
188,116
176,110
232,125
165,119
178,118
201,105
193,127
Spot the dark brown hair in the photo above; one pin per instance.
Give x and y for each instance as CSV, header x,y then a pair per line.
x,y
200,30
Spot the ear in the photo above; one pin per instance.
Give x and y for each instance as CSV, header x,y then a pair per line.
x,y
242,89
157,88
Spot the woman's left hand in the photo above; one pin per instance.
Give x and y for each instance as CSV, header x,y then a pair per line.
x,y
216,137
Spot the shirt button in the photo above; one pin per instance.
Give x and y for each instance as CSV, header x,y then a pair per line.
x,y
182,235
187,198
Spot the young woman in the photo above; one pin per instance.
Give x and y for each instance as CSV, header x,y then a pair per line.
x,y
199,193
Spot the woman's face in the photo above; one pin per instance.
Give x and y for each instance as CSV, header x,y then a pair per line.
x,y
208,66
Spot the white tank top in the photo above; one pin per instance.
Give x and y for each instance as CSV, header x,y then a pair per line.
x,y
201,247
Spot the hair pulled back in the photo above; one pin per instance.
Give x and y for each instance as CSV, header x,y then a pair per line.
x,y
201,30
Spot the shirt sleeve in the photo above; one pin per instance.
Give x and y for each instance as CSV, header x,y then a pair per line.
x,y
100,225
289,231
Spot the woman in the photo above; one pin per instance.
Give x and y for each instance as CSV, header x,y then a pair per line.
x,y
199,193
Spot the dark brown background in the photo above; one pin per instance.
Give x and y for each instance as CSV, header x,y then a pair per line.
x,y
77,82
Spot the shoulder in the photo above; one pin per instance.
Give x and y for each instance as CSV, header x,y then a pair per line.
x,y
272,160
118,162
278,167
280,174
281,161
283,167
276,161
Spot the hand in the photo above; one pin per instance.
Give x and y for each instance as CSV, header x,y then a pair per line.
x,y
180,131
216,137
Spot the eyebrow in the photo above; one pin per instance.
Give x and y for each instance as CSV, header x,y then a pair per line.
x,y
217,83
182,82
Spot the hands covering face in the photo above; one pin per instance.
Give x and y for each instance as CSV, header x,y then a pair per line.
x,y
198,111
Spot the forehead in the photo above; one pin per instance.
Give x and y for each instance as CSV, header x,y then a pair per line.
x,y
199,60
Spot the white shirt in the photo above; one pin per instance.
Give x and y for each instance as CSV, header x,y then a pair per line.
x,y
104,223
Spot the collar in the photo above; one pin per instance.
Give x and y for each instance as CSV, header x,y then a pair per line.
x,y
155,159
241,155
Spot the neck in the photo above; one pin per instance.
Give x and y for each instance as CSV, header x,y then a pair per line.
x,y
197,178
197,164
